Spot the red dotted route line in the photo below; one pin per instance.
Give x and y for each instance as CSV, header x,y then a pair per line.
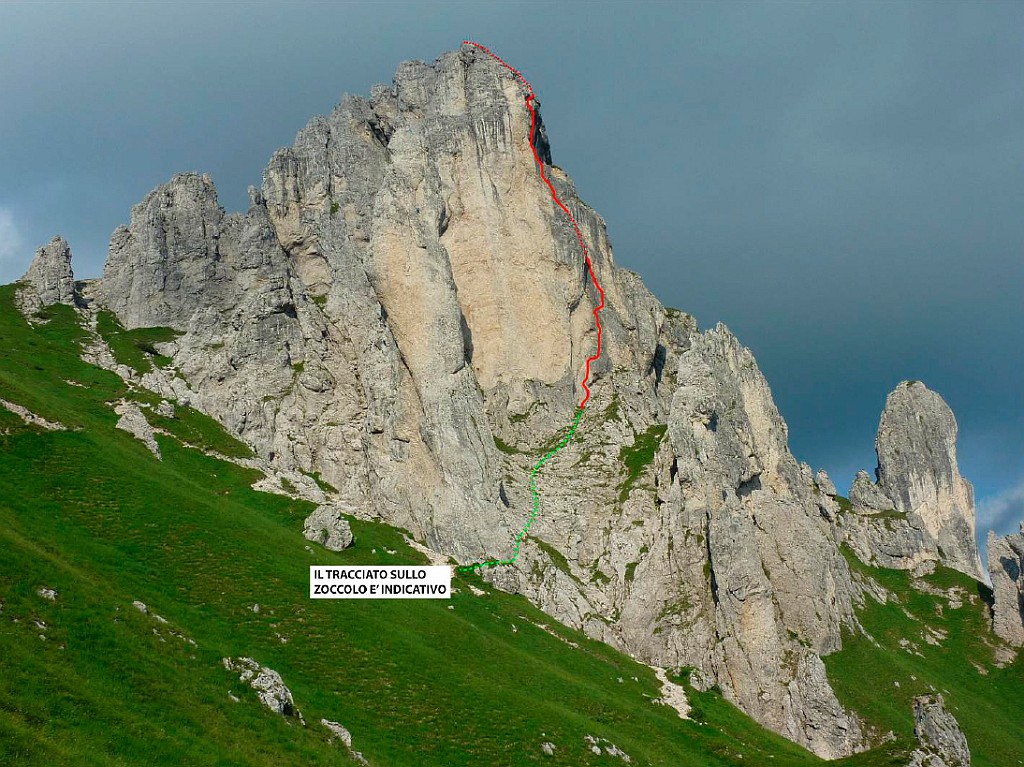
x,y
530,98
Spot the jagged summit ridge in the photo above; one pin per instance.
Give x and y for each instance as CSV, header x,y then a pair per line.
x,y
403,312
392,232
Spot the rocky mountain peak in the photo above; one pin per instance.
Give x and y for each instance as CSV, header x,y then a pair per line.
x,y
50,274
917,470
920,512
941,742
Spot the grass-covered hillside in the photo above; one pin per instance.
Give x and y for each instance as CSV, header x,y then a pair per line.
x,y
932,636
86,679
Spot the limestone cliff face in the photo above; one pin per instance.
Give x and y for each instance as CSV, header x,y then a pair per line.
x,y
404,312
1006,568
400,293
921,511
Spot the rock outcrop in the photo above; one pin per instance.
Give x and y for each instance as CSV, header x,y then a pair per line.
x,y
918,470
766,590
341,733
921,511
327,527
133,421
1006,568
401,299
50,274
29,417
49,279
941,741
868,496
267,684
825,483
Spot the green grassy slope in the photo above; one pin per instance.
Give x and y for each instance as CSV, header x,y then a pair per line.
x,y
91,513
960,664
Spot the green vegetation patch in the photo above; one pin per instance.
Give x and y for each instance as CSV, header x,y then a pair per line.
x,y
639,456
961,665
521,417
844,504
557,558
598,576
322,483
611,413
504,447
134,348
196,428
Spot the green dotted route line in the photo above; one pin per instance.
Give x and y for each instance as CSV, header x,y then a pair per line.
x,y
536,501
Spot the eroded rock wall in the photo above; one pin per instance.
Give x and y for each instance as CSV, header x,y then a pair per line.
x,y
920,512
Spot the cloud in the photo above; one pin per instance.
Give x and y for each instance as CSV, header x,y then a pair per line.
x,y
10,238
1002,512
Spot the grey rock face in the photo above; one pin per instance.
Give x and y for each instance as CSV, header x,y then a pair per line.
x,y
921,510
942,742
327,527
894,540
1006,568
168,256
825,483
769,589
50,274
267,683
356,321
867,495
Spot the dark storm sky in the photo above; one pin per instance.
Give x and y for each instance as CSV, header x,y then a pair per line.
x,y
841,184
